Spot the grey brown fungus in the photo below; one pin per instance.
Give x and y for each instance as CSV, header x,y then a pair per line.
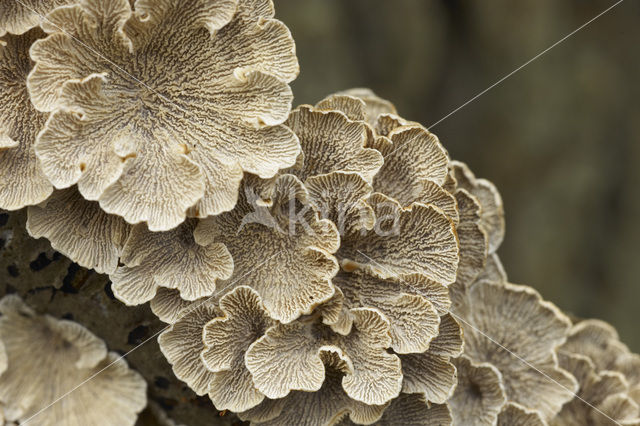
x,y
326,406
602,397
227,338
492,208
182,343
413,305
600,342
374,105
18,17
289,357
415,168
479,395
513,414
134,137
332,142
296,263
79,229
511,328
418,239
47,358
170,259
22,181
411,410
168,306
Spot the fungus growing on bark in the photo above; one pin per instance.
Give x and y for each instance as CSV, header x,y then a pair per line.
x,y
79,229
147,135
47,358
22,181
170,259
294,269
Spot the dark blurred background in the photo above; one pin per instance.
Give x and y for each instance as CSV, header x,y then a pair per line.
x,y
560,139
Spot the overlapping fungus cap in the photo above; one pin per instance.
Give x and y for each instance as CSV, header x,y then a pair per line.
x,y
22,181
411,410
492,209
170,259
160,110
18,17
79,229
479,395
602,398
289,357
513,414
279,246
600,342
511,328
326,406
47,358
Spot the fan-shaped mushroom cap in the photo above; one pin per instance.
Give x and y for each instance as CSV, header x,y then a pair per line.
x,y
340,197
161,109
374,105
412,304
293,270
168,306
411,410
171,259
22,181
473,239
431,373
492,209
601,398
599,341
332,142
514,330
324,407
79,229
48,358
415,168
289,357
353,107
415,240
513,414
479,395
226,341
18,17
182,344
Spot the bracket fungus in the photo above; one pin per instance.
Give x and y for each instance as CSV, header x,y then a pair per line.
x,y
322,266
160,109
170,259
22,181
294,272
18,17
47,358
524,333
79,229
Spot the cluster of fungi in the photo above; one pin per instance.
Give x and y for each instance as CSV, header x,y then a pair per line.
x,y
329,264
